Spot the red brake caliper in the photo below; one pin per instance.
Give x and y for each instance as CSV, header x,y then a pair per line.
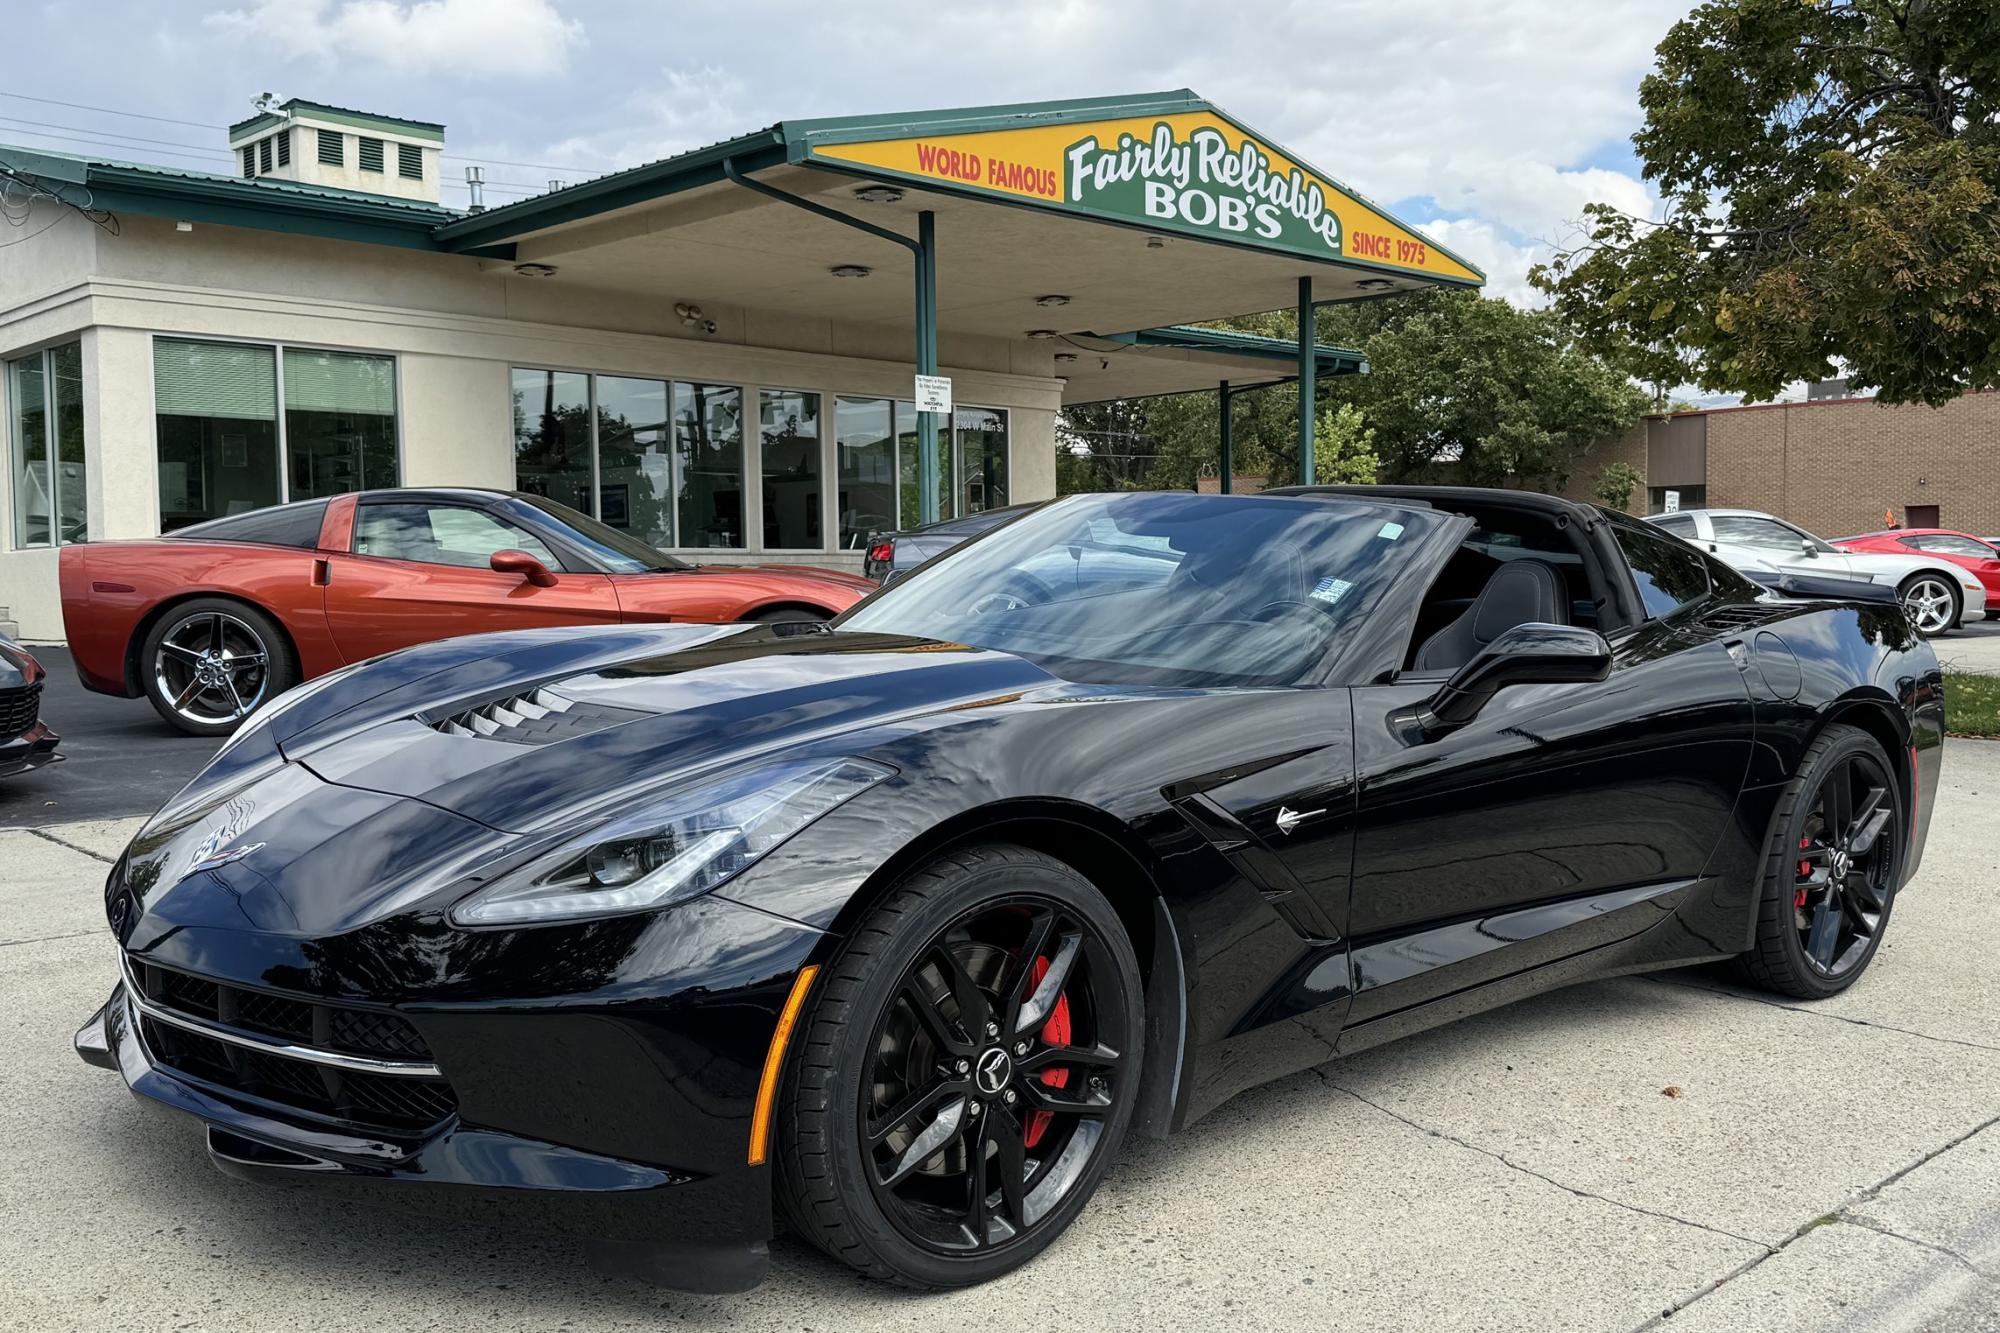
x,y
1056,1033
1805,872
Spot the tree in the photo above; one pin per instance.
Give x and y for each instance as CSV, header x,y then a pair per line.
x,y
1474,390
1615,485
1830,175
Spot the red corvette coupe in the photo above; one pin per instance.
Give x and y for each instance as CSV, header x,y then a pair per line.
x,y
1960,548
215,619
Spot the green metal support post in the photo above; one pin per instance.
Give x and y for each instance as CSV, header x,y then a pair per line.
x,y
927,364
924,248
1228,442
1307,357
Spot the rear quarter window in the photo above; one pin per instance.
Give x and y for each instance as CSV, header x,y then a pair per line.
x,y
1670,574
286,525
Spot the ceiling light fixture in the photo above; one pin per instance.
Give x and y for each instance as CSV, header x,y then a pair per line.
x,y
1156,242
878,194
1064,358
1042,333
535,270
1051,299
691,317
1374,285
850,270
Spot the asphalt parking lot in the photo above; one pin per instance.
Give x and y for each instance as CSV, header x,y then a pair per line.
x,y
1639,1153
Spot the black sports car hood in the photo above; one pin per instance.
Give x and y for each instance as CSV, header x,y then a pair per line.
x,y
530,746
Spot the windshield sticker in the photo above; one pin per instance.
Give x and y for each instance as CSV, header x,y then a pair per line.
x,y
1330,590
1390,531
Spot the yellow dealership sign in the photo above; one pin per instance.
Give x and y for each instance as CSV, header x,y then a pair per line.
x,y
1193,172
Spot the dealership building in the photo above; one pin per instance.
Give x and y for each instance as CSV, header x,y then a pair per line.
x,y
766,349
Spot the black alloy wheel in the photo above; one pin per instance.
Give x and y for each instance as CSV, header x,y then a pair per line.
x,y
1834,869
969,1071
209,663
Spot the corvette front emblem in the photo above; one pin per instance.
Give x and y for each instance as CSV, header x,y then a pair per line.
x,y
1289,819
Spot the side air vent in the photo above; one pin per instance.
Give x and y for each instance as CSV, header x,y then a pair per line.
x,y
539,717
1736,616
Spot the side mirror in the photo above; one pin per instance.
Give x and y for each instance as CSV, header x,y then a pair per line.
x,y
520,562
1807,546
1532,654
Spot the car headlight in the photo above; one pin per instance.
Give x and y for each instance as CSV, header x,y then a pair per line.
x,y
673,851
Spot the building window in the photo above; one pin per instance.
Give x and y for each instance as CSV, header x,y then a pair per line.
x,y
332,148
635,490
46,458
236,435
865,445
1685,497
708,451
371,154
263,155
249,160
788,455
409,162
340,422
981,451
972,465
217,411
552,436
284,148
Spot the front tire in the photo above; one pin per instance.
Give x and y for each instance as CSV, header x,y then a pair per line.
x,y
1931,603
967,1074
209,663
1832,871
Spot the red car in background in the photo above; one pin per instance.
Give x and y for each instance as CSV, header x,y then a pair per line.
x,y
215,619
1962,549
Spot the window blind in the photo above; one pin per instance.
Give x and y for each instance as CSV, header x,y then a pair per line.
x,y
192,379
340,382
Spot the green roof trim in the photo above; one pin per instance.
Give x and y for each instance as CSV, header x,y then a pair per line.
x,y
339,115
798,142
229,201
1187,337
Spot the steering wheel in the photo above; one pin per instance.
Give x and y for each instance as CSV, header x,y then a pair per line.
x,y
1017,593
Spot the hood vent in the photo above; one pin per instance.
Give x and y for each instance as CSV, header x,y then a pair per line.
x,y
539,717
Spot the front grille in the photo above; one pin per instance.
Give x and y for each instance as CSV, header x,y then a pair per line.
x,y
388,1102
539,717
20,706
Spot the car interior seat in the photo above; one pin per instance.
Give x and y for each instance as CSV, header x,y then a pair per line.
x,y
1520,592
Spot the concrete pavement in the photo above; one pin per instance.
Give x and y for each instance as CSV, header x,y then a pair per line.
x,y
1832,1166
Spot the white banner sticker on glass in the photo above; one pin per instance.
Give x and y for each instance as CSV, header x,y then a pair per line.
x,y
933,393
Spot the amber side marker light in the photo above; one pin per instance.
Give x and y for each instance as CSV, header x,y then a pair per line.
x,y
774,1064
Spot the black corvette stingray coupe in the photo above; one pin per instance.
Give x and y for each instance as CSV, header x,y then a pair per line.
x,y
895,927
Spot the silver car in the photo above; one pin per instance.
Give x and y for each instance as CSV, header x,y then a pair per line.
x,y
1937,595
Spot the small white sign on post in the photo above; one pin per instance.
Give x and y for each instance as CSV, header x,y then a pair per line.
x,y
1673,502
933,393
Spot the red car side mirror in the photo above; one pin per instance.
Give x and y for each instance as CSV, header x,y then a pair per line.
x,y
520,562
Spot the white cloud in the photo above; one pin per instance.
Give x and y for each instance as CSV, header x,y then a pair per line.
x,y
466,38
1504,263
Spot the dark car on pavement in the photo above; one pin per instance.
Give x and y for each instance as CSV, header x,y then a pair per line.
x,y
26,741
894,554
895,927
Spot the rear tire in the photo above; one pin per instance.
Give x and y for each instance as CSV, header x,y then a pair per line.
x,y
1832,870
905,1113
209,663
1931,603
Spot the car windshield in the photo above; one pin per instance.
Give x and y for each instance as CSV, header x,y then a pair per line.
x,y
1165,588
620,552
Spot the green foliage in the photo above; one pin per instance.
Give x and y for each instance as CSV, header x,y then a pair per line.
x,y
1460,388
1831,175
1615,485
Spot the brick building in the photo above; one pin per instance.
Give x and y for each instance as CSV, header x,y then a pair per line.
x,y
1834,466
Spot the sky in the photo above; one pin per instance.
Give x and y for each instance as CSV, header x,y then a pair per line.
x,y
1488,123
